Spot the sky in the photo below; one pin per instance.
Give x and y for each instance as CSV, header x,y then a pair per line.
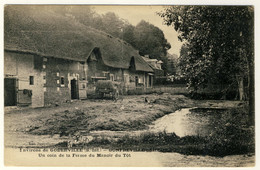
x,y
134,14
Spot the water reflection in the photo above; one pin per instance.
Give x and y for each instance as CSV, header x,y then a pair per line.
x,y
188,122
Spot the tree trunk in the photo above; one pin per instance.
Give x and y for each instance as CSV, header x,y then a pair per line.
x,y
241,88
240,84
251,86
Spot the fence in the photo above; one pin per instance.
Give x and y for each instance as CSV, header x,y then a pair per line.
x,y
172,89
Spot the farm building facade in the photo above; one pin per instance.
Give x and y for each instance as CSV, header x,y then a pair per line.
x,y
55,60
156,65
36,80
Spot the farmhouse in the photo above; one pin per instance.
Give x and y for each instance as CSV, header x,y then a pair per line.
x,y
124,66
156,65
54,60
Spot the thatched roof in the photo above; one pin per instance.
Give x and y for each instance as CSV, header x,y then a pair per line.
x,y
39,30
149,62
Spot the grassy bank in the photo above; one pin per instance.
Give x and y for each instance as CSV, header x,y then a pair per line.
x,y
132,113
233,137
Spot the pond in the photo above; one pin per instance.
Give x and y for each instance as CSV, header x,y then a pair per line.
x,y
189,122
193,131
184,122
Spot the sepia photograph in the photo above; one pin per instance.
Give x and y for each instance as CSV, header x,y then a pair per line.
x,y
129,85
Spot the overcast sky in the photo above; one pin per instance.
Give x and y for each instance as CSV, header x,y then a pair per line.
x,y
134,14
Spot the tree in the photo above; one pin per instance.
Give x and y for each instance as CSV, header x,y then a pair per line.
x,y
112,24
128,34
220,45
172,64
150,40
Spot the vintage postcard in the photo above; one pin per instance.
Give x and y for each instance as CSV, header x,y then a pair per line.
x,y
129,86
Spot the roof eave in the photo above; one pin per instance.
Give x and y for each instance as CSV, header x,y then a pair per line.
x,y
41,54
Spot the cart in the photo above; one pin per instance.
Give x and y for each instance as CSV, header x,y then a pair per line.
x,y
107,88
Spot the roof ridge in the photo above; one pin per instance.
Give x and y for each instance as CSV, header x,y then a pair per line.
x,y
55,37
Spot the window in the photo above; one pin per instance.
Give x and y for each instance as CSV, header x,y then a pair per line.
x,y
62,83
106,74
136,81
111,77
31,80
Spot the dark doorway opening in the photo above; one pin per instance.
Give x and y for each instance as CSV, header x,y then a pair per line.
x,y
74,89
150,81
10,92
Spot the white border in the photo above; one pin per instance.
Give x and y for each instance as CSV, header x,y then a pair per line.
x,y
137,2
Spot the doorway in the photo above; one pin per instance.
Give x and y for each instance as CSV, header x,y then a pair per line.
x,y
150,81
10,92
74,89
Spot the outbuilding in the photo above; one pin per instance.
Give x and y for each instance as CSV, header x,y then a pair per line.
x,y
51,59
